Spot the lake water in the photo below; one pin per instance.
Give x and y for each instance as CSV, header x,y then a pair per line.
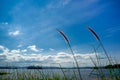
x,y
87,74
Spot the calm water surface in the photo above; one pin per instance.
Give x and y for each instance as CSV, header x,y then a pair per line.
x,y
87,74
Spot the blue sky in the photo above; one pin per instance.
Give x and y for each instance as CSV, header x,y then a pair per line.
x,y
28,30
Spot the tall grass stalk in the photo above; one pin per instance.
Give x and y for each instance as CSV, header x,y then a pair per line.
x,y
69,45
100,73
74,71
99,40
96,55
65,77
101,44
62,71
97,64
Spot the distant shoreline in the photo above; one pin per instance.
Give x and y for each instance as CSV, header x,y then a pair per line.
x,y
115,66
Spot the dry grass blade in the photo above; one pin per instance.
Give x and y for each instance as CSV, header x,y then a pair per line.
x,y
97,37
64,36
94,33
66,39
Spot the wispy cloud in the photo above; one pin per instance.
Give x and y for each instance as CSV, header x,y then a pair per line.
x,y
4,23
14,33
19,45
112,31
65,2
51,49
57,4
43,20
4,49
33,48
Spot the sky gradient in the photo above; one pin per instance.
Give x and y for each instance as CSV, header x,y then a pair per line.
x,y
28,33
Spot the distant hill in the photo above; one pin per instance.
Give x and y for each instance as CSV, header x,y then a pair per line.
x,y
42,67
113,66
48,67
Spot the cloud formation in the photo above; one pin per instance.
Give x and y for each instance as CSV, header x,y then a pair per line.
x,y
38,58
14,33
33,48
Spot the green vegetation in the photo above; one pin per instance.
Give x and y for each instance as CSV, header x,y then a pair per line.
x,y
112,66
101,76
4,73
33,74
40,74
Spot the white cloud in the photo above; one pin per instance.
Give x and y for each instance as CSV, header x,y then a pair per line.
x,y
15,51
64,58
2,58
33,48
4,49
19,45
14,33
25,50
5,23
51,49
57,4
41,50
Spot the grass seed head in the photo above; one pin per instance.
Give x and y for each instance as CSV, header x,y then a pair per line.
x,y
64,36
94,33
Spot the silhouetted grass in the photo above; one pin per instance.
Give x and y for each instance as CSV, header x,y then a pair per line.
x,y
100,42
98,63
68,42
